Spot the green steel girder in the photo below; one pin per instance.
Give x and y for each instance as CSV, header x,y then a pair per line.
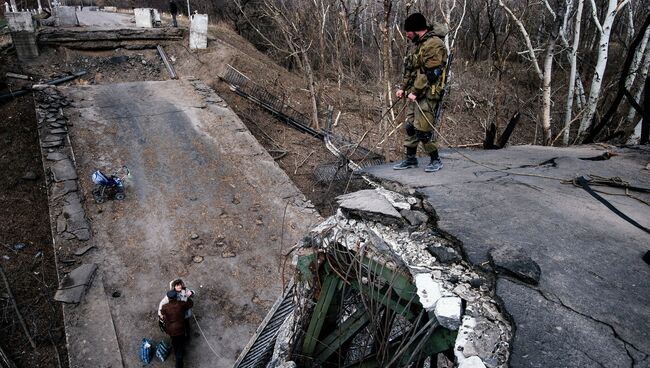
x,y
343,333
384,299
330,284
398,282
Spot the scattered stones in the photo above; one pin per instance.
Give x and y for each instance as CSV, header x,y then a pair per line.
x,y
197,259
513,261
236,199
30,175
19,246
194,236
228,254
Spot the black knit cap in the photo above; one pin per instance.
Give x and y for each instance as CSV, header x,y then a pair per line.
x,y
171,294
415,22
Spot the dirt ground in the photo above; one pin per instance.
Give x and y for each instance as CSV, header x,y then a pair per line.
x,y
26,254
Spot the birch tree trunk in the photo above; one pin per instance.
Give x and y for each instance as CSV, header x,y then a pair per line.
x,y
386,57
643,74
573,56
546,92
605,30
312,89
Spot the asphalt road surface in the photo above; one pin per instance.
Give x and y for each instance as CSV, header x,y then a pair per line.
x,y
204,202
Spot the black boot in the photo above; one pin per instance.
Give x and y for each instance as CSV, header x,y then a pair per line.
x,y
435,163
410,162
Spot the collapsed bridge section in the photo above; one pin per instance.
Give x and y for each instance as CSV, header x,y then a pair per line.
x,y
375,286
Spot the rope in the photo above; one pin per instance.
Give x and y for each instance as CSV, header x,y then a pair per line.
x,y
205,338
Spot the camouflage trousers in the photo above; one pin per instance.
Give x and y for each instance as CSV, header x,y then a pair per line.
x,y
418,125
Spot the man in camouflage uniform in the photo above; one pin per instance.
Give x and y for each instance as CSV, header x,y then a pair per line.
x,y
422,85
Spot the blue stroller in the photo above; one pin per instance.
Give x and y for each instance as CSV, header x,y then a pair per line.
x,y
108,187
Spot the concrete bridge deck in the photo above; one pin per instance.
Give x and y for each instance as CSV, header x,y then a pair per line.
x,y
592,305
205,202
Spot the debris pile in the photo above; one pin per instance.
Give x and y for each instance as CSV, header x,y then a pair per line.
x,y
377,283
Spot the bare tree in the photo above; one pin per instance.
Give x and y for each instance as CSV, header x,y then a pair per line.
x,y
604,31
573,62
545,75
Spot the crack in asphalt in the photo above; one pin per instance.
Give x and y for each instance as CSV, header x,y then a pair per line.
x,y
614,332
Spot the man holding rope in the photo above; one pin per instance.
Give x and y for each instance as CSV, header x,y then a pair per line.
x,y
422,84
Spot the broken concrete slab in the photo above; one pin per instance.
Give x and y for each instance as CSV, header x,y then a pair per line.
x,y
370,204
60,189
448,311
74,284
51,138
415,218
81,251
56,156
64,170
514,261
428,291
444,254
52,144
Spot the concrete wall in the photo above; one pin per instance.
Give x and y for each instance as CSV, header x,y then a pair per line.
x,y
199,31
23,34
143,17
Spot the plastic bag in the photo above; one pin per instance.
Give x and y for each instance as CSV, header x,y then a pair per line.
x,y
146,350
162,351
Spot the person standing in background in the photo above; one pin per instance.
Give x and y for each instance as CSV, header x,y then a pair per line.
x,y
173,10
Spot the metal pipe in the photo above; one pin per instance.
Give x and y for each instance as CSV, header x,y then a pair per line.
x,y
168,65
53,82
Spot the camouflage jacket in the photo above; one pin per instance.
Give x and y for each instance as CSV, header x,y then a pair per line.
x,y
428,53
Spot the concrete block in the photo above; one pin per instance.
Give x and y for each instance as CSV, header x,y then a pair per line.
x,y
20,21
65,16
143,17
110,9
448,312
23,34
199,31
156,18
429,291
472,362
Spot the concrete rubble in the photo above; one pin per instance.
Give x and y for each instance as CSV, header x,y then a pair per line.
x,y
449,287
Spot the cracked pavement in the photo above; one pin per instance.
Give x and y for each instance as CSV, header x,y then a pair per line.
x,y
592,304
